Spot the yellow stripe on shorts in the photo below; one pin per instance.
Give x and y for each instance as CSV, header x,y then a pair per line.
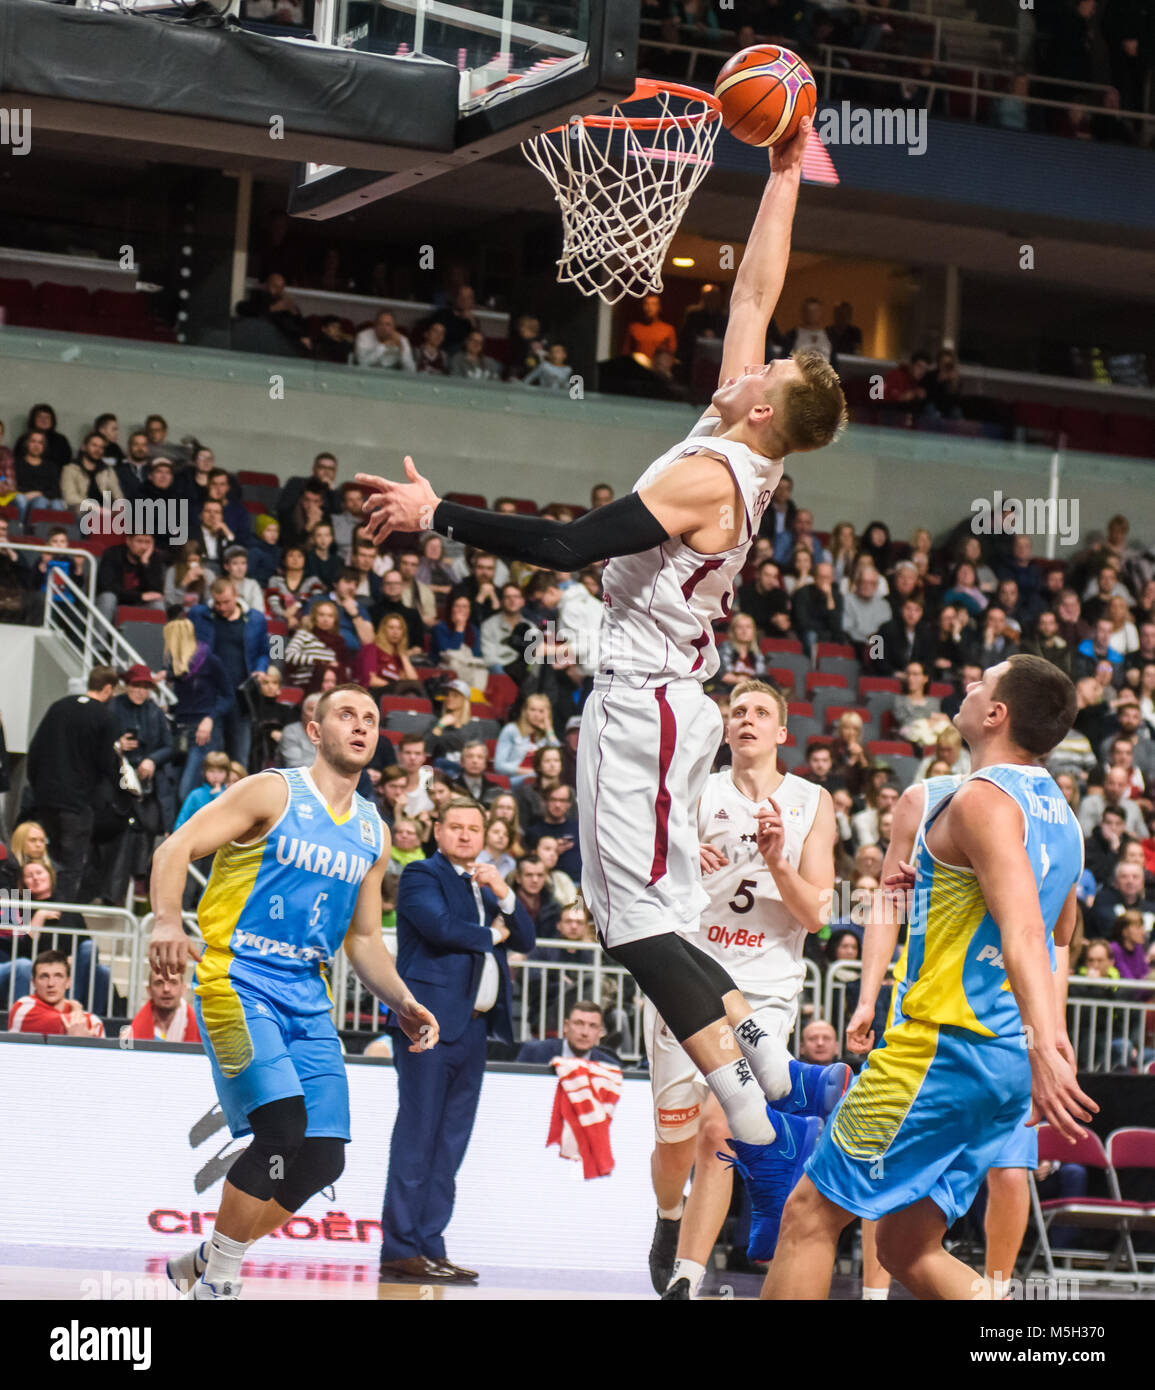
x,y
867,1121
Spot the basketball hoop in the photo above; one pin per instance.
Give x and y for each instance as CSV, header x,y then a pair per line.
x,y
623,184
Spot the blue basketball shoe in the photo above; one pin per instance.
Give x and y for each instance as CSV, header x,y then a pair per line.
x,y
771,1172
813,1090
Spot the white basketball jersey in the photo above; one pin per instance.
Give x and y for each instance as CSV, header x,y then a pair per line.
x,y
747,928
660,605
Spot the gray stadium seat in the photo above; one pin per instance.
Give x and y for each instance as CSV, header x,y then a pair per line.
x,y
409,721
148,639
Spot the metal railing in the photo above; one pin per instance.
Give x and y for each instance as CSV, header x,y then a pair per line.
x,y
70,613
826,72
112,964
1111,1023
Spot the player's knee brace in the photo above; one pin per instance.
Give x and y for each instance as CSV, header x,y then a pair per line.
x,y
318,1165
685,985
278,1133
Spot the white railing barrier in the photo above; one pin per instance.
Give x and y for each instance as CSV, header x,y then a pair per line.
x,y
1111,1023
117,947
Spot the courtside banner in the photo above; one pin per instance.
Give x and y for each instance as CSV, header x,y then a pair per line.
x,y
110,1148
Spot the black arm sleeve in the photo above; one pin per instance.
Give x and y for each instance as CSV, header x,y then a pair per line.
x,y
623,527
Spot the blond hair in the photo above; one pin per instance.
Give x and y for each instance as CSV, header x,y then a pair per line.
x,y
757,687
180,644
813,411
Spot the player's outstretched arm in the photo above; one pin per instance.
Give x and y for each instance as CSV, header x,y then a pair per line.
x,y
762,272
375,967
987,826
243,813
888,910
690,495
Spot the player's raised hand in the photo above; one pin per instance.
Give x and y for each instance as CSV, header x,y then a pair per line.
x,y
771,834
786,155
1056,1096
860,1030
418,1025
168,948
390,506
711,858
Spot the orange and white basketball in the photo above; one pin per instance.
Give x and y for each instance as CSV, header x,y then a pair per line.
x,y
765,92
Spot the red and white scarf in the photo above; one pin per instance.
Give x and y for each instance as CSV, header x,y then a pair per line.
x,y
583,1107
182,1028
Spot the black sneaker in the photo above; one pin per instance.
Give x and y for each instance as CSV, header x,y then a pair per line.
x,y
663,1252
678,1290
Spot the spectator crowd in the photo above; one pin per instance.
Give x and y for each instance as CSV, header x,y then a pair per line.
x,y
483,669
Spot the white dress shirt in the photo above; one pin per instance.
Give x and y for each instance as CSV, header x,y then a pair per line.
x,y
487,990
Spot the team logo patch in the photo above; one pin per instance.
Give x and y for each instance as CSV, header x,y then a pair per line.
x,y
306,811
721,815
367,837
794,812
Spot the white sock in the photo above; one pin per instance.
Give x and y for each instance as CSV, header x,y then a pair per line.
x,y
742,1100
691,1270
224,1260
674,1213
875,1295
1000,1288
768,1057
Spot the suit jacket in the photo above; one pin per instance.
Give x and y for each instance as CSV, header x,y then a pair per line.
x,y
898,651
441,949
540,1053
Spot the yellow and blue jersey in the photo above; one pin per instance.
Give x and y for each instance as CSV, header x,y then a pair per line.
x,y
944,1098
954,972
275,912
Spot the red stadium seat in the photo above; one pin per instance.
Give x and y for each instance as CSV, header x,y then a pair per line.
x,y
412,703
468,499
800,709
500,693
835,651
277,627
127,614
393,735
290,695
782,676
526,506
816,680
941,689
869,684
888,748
246,476
46,516
835,712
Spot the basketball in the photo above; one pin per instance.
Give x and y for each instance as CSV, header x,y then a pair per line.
x,y
765,92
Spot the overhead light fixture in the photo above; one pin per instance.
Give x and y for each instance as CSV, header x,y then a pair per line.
x,y
683,262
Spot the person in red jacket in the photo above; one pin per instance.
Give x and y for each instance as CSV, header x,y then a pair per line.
x,y
165,1015
48,1008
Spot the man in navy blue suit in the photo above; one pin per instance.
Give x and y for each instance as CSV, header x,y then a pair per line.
x,y
456,919
583,1029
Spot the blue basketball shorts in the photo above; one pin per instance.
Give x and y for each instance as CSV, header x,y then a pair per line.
x,y
930,1112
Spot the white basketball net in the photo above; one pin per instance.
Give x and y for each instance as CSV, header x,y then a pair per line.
x,y
623,191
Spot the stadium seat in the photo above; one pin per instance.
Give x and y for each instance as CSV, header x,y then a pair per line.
x,y
46,516
18,300
247,477
940,689
290,695
125,613
500,693
832,713
410,721
898,755
393,735
783,677
526,506
825,680
147,639
468,499
413,704
778,645
1109,1213
484,729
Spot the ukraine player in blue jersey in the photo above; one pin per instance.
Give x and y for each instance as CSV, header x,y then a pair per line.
x,y
978,1037
1008,1194
299,862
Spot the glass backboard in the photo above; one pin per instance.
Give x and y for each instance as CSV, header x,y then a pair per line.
x,y
522,66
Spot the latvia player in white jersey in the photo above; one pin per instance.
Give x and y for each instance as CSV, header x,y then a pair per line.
x,y
767,839
676,545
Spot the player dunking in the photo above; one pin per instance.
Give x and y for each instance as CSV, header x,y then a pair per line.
x,y
767,887
299,859
996,862
1008,1196
676,547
